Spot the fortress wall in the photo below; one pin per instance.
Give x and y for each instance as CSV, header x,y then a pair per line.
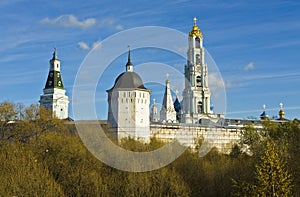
x,y
221,138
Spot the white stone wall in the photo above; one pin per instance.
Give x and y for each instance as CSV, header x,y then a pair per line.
x,y
129,113
221,138
56,100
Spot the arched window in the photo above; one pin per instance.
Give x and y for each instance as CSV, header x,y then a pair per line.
x,y
198,81
197,43
199,107
197,59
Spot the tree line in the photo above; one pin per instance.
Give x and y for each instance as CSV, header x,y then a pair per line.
x,y
43,156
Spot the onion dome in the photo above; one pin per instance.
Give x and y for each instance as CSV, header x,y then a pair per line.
x,y
264,115
281,113
195,31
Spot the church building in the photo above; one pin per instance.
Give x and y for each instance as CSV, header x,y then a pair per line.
x,y
54,97
186,120
196,94
128,106
167,112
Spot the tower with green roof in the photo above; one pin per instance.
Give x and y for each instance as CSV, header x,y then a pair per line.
x,y
54,97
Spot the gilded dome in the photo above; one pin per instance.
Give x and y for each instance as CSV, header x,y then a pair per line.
x,y
195,31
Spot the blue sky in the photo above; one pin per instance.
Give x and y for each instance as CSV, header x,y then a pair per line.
x,y
255,45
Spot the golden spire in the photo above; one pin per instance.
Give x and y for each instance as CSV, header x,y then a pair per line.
x,y
195,31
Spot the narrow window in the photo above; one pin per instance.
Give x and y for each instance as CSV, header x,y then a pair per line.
x,y
199,107
197,42
197,59
198,80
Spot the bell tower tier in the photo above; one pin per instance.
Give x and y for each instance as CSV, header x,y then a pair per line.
x,y
196,95
54,97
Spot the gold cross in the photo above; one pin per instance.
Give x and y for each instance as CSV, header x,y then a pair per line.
x,y
195,20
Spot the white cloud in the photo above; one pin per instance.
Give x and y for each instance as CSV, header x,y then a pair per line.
x,y
178,65
229,84
119,27
214,81
84,46
249,66
96,44
69,21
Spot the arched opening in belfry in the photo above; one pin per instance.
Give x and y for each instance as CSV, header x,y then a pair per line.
x,y
197,42
197,59
199,106
198,81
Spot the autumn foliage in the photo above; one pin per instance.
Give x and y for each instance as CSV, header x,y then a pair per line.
x,y
42,156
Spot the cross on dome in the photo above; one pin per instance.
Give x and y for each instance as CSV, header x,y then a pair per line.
x,y
167,76
195,31
281,105
195,20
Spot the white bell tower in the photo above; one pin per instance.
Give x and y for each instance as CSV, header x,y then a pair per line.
x,y
54,97
196,95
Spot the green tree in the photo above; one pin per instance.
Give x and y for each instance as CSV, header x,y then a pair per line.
x,y
251,139
22,174
7,113
272,174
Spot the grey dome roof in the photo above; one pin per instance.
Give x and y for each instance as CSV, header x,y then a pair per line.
x,y
128,80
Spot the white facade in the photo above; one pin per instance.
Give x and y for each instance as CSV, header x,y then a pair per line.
x,y
196,95
154,114
167,112
54,97
128,106
128,113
